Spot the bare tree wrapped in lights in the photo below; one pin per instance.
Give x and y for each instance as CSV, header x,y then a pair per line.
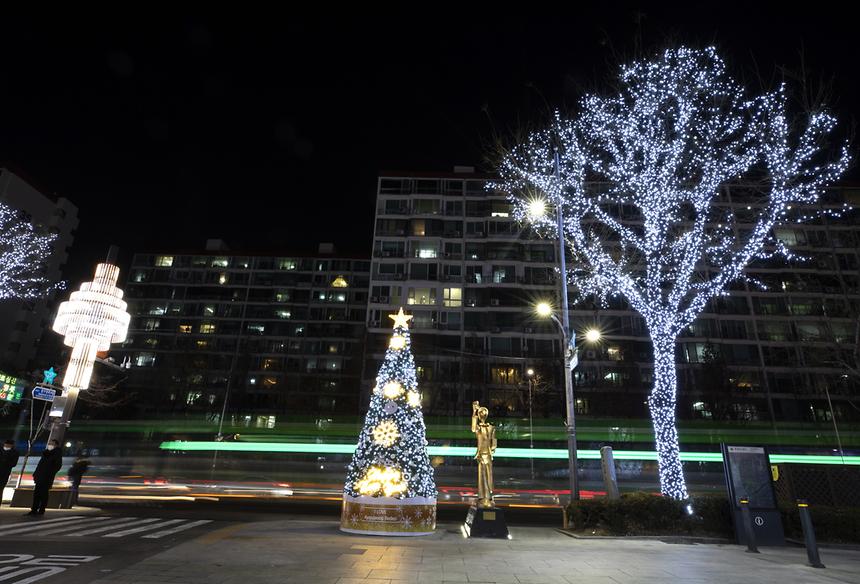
x,y
640,180
23,253
390,489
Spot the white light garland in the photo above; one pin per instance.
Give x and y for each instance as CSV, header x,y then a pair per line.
x,y
640,184
23,255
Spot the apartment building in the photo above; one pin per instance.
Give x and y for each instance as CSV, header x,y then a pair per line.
x,y
275,335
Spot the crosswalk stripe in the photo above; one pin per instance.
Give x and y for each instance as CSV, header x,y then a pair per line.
x,y
37,525
41,522
144,528
65,528
124,522
159,534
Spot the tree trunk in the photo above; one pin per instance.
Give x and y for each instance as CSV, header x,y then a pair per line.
x,y
662,405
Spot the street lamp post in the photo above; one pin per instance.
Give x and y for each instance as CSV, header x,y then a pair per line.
x,y
570,361
537,209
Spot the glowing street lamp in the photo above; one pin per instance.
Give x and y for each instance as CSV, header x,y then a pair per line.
x,y
593,335
536,209
91,319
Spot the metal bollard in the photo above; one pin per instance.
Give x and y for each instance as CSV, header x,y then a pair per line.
x,y
808,534
746,517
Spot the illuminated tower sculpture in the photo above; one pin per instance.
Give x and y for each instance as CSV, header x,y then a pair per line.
x,y
91,319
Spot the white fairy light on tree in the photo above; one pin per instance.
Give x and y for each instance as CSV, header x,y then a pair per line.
x,y
640,178
23,254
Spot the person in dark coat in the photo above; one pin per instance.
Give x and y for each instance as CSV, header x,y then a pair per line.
x,y
48,467
76,473
8,461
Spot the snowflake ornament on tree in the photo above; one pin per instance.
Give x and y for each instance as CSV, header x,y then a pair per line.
x,y
639,178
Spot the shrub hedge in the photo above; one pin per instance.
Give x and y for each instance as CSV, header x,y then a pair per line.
x,y
649,514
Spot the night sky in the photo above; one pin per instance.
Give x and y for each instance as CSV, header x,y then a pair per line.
x,y
268,130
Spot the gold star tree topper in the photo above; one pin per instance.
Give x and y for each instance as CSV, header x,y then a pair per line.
x,y
400,319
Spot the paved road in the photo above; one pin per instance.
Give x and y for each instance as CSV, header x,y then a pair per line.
x,y
84,545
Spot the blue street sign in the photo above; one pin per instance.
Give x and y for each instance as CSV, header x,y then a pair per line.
x,y
44,393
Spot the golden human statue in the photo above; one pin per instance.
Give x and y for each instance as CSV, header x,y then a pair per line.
x,y
485,434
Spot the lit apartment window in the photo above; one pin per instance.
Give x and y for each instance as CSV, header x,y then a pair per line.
x,y
418,227
256,328
270,364
157,309
145,359
500,209
220,262
151,324
337,297
452,297
427,252
164,261
504,375
421,296
340,282
282,296
202,344
283,313
222,279
332,348
209,310
185,328
139,276
287,264
151,342
207,328
192,397
614,353
701,409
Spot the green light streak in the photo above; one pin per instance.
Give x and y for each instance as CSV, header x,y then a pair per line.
x,y
468,451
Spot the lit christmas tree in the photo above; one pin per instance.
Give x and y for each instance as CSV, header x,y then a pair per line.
x,y
389,486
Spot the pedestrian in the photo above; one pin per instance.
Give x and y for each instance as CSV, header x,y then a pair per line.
x,y
8,461
76,473
48,467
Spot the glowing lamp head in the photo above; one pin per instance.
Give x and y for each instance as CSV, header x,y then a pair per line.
x,y
543,309
530,372
592,335
536,208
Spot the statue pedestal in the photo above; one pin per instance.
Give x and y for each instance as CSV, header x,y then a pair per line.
x,y
486,522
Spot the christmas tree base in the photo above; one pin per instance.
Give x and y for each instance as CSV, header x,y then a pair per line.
x,y
388,516
486,522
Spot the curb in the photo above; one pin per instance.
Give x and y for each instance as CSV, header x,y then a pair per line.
x,y
664,538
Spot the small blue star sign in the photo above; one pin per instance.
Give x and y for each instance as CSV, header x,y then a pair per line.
x,y
49,374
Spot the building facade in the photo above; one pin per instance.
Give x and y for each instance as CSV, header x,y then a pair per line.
x,y
450,251
274,335
23,323
447,248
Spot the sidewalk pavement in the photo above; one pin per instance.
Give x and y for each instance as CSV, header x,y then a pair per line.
x,y
315,552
